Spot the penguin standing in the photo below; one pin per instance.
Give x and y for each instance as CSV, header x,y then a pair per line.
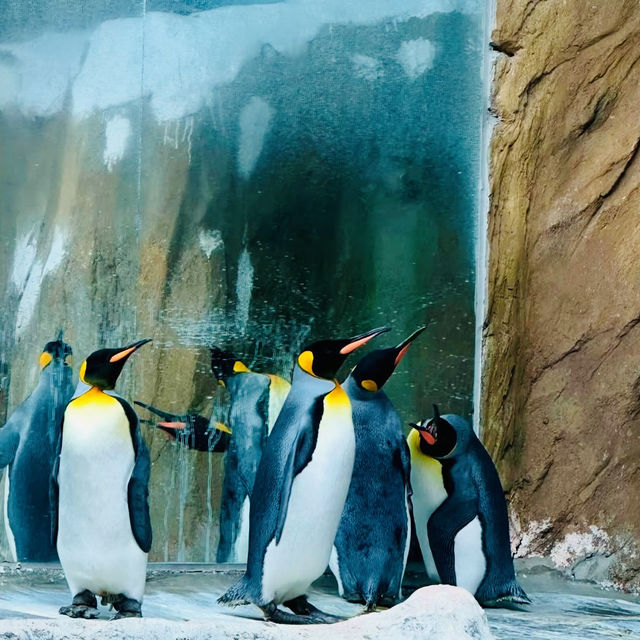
x,y
27,446
460,511
100,488
371,547
300,488
190,430
255,402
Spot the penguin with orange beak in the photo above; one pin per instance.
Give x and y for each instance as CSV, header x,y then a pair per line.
x,y
300,488
100,488
460,511
371,547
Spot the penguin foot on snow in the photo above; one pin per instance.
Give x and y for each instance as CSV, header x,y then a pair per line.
x,y
83,605
126,607
303,613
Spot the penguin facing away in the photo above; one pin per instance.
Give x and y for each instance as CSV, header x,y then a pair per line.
x,y
460,511
190,430
371,547
300,488
255,402
27,446
100,489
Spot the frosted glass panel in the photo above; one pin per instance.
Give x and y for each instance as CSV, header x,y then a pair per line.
x,y
251,176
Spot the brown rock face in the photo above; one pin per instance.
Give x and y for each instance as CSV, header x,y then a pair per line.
x,y
561,383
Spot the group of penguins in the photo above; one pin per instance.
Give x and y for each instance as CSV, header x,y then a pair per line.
x,y
323,469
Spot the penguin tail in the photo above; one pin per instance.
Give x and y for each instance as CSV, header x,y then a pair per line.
x,y
237,594
510,595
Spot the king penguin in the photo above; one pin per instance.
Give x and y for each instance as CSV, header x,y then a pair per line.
x,y
460,511
371,547
255,402
27,446
100,488
300,488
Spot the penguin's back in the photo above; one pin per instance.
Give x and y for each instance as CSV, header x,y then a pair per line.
x,y
373,538
95,541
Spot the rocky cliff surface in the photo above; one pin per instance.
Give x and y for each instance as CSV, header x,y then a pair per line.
x,y
561,383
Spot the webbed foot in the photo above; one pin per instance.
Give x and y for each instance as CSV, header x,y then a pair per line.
x,y
83,605
303,608
126,607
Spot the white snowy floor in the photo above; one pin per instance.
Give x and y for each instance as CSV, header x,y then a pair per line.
x,y
182,605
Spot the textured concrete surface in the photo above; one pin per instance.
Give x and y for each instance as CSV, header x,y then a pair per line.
x,y
561,381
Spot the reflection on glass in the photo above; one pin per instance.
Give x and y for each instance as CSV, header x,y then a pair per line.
x,y
245,176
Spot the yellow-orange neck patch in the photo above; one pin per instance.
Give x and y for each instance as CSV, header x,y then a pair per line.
x,y
369,385
83,370
45,359
240,367
305,361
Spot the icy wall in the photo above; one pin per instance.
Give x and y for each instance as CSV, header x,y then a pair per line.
x,y
248,174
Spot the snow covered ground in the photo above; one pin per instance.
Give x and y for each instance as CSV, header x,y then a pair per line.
x,y
182,604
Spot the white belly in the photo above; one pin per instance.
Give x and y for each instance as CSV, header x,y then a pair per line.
x,y
95,543
317,499
470,562
428,494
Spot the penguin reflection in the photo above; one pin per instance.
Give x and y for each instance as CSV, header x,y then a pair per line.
x,y
255,402
27,446
460,511
190,430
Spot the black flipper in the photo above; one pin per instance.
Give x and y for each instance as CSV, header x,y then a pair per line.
x,y
444,524
298,458
138,491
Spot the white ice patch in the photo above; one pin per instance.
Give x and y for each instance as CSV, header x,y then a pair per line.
x,y
367,67
210,241
116,137
33,286
525,542
185,57
416,56
254,123
244,288
576,546
36,75
23,259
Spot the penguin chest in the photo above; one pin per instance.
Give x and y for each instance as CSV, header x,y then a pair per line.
x,y
317,498
95,542
428,494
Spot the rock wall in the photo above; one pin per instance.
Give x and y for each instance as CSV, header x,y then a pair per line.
x,y
561,382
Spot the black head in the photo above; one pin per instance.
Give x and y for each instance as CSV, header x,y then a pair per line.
x,y
224,363
102,368
56,351
323,359
376,367
438,436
